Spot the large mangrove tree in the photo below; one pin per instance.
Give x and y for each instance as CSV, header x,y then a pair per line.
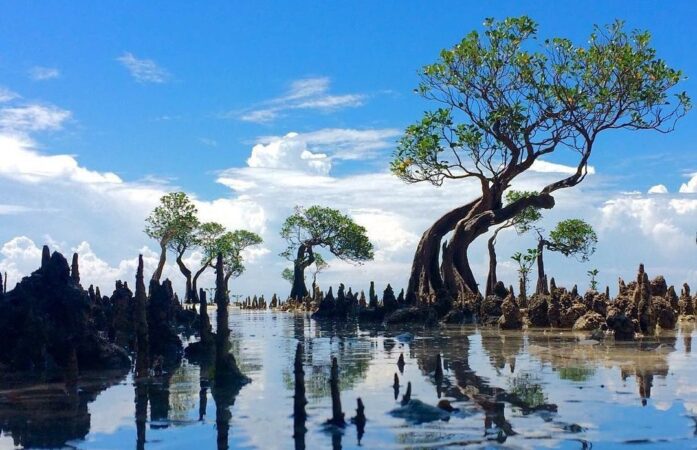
x,y
328,228
506,100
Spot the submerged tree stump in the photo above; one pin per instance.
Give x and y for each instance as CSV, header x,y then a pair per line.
x,y
407,395
337,414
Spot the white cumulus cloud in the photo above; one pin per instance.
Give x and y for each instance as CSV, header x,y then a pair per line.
x,y
691,186
658,189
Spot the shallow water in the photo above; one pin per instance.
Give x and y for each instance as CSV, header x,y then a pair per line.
x,y
556,390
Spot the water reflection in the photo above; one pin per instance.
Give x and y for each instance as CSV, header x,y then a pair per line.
x,y
532,389
47,415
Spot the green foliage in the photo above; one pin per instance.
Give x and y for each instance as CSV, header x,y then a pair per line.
x,y
525,261
592,274
507,98
173,222
524,221
528,388
287,275
320,263
576,374
573,237
231,245
327,228
207,238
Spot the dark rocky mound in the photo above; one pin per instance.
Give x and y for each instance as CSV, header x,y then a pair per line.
x,y
45,324
162,312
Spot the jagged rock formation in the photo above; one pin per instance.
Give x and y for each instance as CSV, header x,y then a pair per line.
x,y
140,318
686,305
538,310
45,324
389,302
162,333
590,321
121,329
75,269
511,318
490,310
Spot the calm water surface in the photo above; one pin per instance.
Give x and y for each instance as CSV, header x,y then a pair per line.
x,y
560,390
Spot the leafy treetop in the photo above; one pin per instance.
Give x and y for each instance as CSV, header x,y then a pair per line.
x,y
508,99
231,245
525,220
328,228
173,221
573,237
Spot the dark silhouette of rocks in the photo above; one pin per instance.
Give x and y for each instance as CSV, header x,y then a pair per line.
x,y
46,319
161,315
75,269
121,328
389,302
49,415
142,346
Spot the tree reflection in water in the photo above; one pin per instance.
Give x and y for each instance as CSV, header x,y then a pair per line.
x,y
47,415
576,359
507,380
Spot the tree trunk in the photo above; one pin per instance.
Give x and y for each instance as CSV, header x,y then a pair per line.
x,y
492,279
457,275
188,296
299,289
425,278
194,282
161,263
541,287
461,280
222,329
204,320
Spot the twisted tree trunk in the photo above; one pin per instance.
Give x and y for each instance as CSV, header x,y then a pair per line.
x,y
492,279
194,282
299,289
188,296
457,272
161,263
425,278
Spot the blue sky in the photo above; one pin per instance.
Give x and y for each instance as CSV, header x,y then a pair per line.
x,y
161,94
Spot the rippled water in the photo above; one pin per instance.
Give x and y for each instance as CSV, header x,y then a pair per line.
x,y
554,389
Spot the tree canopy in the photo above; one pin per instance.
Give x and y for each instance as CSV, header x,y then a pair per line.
x,y
327,228
573,237
231,245
525,220
173,221
506,99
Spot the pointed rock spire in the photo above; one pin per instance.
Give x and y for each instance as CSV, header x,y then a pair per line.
x,y
75,269
45,256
